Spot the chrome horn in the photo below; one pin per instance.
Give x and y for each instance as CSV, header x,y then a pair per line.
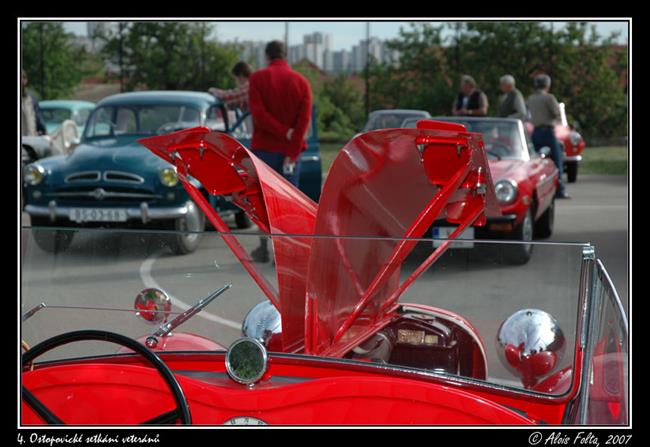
x,y
153,305
530,344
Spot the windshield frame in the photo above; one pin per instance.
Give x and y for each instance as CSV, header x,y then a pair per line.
x,y
86,138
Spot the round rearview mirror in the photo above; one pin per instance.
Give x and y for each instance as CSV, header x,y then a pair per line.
x,y
544,152
530,345
246,360
153,305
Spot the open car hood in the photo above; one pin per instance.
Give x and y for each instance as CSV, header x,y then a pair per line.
x,y
335,292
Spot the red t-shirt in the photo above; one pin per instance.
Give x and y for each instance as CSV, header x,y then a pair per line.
x,y
279,99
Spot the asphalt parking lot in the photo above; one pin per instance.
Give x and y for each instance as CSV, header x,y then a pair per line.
x,y
108,269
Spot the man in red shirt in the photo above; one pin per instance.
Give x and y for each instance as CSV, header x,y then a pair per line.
x,y
280,102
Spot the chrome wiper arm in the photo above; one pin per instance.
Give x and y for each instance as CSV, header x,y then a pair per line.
x,y
30,313
166,328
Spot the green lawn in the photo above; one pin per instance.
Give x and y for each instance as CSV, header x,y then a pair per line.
x,y
608,160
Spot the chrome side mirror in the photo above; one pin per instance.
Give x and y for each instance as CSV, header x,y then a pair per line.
x,y
153,305
530,344
544,152
262,322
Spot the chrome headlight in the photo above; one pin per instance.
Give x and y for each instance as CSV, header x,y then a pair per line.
x,y
33,174
506,191
575,138
168,177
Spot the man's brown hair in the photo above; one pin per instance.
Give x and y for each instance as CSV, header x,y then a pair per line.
x,y
242,69
275,50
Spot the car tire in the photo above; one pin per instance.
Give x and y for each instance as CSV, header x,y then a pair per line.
x,y
519,254
544,226
572,171
192,225
50,241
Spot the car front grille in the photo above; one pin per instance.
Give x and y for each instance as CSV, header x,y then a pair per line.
x,y
98,195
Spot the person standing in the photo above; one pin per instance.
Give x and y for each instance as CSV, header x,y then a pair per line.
x,y
238,96
32,122
470,101
511,104
544,112
280,102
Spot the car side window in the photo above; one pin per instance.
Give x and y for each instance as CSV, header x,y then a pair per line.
x,y
81,116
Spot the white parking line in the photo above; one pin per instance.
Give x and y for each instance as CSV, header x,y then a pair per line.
x,y
148,281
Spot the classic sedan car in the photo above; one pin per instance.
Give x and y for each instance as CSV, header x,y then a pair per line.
x,y
110,180
525,183
57,111
331,343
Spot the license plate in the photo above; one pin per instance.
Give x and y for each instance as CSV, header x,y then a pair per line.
x,y
444,232
97,215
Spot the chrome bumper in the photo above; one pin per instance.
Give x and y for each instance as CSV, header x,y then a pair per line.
x,y
573,158
142,213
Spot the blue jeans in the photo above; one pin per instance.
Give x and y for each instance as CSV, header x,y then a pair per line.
x,y
275,160
545,136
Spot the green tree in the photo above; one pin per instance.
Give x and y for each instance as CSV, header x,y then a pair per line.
x,y
53,64
170,55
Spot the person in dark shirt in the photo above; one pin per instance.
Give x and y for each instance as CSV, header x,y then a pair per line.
x,y
32,122
470,101
280,102
511,104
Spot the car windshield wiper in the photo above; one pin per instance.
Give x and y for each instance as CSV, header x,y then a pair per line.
x,y
166,328
494,154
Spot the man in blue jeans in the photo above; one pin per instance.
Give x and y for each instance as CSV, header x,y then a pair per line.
x,y
544,111
280,102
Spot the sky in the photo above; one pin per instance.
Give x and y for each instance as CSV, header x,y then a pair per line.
x,y
343,34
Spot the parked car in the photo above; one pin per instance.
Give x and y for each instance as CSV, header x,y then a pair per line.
x,y
332,344
392,118
525,183
110,180
571,142
57,111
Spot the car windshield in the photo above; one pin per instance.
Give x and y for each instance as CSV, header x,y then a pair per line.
x,y
389,120
502,138
94,282
56,115
146,119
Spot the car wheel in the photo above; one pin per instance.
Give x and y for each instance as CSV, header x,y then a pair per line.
x,y
519,254
242,220
191,226
544,226
50,241
572,171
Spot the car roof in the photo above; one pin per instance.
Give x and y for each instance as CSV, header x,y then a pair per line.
x,y
198,99
67,103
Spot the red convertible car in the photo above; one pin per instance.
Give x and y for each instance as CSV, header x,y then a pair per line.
x,y
353,328
524,181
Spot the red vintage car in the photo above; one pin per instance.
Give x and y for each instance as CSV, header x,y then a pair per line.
x,y
334,340
571,141
525,184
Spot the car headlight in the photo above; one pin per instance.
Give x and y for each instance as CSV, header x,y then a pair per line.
x,y
33,174
168,177
575,138
506,191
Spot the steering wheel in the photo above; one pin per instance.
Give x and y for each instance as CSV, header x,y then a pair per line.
x,y
182,410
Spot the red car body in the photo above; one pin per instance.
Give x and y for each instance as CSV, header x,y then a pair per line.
x,y
331,297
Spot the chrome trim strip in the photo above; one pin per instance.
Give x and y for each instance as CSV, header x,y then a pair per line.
x,y
309,158
136,179
92,194
131,213
69,178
